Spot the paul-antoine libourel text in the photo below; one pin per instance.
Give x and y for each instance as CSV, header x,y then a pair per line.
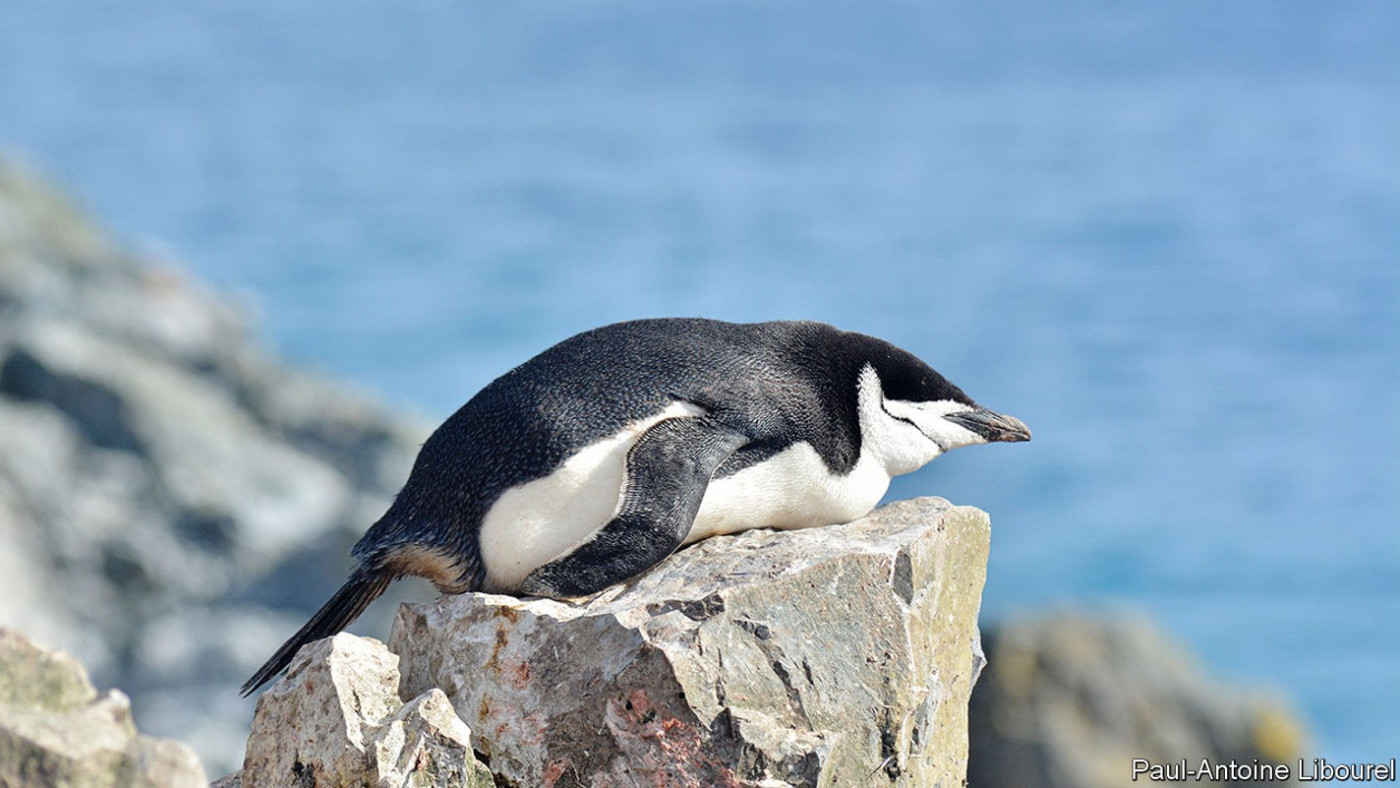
x,y
1305,770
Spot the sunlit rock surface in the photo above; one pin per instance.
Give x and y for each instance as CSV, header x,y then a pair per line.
x,y
337,720
830,656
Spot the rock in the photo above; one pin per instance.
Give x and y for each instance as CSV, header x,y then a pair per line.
x,y
1068,701
829,656
337,720
39,679
56,730
162,478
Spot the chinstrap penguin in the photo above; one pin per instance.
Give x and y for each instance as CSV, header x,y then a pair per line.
x,y
598,458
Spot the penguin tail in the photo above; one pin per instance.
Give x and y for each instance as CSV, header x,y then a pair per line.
x,y
364,586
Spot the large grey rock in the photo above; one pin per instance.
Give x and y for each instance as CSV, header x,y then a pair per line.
x,y
1071,700
56,730
838,656
161,477
337,720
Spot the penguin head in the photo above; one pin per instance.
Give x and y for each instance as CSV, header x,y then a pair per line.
x,y
910,414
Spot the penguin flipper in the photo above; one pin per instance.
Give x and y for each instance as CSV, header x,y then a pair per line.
x,y
668,471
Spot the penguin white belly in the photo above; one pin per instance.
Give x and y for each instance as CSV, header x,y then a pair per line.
x,y
791,489
536,522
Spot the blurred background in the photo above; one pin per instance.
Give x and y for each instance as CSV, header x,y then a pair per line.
x,y
1165,235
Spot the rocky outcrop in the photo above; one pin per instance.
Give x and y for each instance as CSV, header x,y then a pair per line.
x,y
162,480
824,657
56,730
1071,701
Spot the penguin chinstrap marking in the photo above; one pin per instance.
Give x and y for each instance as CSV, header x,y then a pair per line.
x,y
598,458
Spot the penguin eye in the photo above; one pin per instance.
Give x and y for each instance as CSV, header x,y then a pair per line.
x,y
886,408
912,413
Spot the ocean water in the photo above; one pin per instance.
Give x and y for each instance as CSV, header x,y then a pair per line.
x,y
1166,235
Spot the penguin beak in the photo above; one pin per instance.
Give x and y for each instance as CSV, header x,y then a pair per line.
x,y
991,425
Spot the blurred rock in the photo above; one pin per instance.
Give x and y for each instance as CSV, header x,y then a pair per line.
x,y
337,720
830,656
1069,701
56,730
161,477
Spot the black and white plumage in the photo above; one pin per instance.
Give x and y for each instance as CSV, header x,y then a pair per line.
x,y
598,458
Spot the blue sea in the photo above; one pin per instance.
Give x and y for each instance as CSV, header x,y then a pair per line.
x,y
1166,235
